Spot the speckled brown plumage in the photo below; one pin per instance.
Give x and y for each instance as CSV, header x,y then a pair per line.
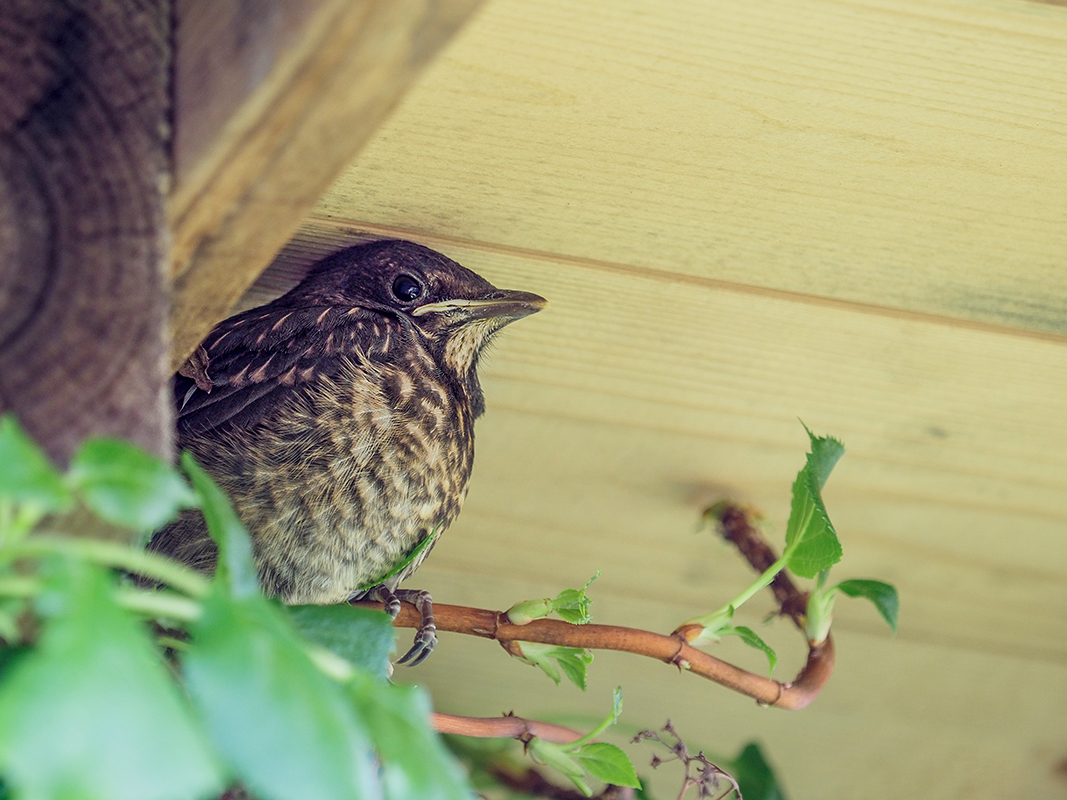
x,y
340,417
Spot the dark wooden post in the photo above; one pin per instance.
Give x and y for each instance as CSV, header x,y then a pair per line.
x,y
272,99
83,133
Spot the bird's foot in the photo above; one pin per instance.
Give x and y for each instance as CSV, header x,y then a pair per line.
x,y
381,594
426,635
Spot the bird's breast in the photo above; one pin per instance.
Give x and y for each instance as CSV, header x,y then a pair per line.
x,y
348,482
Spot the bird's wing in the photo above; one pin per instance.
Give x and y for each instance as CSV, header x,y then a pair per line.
x,y
254,361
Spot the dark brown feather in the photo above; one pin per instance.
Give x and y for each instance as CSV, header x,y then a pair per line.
x,y
340,417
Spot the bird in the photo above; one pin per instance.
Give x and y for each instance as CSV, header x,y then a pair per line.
x,y
339,419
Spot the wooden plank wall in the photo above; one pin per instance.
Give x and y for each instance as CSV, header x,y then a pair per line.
x,y
849,211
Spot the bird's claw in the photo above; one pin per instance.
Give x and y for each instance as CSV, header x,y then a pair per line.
x,y
425,642
426,635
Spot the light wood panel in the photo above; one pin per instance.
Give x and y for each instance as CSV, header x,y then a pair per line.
x,y
850,211
631,401
906,153
271,102
634,400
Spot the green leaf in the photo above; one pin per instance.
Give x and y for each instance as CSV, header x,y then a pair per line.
x,y
286,729
574,758
558,758
749,637
572,605
754,775
572,660
883,595
414,557
236,568
362,636
540,656
811,541
10,610
27,477
607,763
126,486
92,713
398,721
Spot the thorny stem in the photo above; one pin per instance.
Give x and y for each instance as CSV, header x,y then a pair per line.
x,y
669,649
672,649
505,727
735,527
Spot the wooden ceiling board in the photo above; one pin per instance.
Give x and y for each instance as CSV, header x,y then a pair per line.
x,y
895,721
907,154
633,401
851,212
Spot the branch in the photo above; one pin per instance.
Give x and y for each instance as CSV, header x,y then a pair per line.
x,y
669,649
673,649
734,527
506,727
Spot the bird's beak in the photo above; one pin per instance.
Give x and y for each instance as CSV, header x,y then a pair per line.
x,y
498,304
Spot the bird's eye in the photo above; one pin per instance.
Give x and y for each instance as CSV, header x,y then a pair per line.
x,y
406,288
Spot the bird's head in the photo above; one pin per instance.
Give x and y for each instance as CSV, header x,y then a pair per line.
x,y
457,310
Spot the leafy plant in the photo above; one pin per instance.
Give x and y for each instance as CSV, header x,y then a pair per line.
x,y
811,549
294,702
572,605
291,703
602,760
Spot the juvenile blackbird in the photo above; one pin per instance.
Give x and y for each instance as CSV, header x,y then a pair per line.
x,y
339,419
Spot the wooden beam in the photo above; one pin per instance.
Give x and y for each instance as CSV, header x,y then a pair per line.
x,y
267,114
83,109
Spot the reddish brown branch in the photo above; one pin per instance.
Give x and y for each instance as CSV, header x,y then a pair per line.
x,y
505,727
734,527
674,649
669,649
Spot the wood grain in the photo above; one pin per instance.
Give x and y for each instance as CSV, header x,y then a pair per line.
x,y
903,153
634,401
316,95
637,398
655,397
226,50
848,211
83,107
